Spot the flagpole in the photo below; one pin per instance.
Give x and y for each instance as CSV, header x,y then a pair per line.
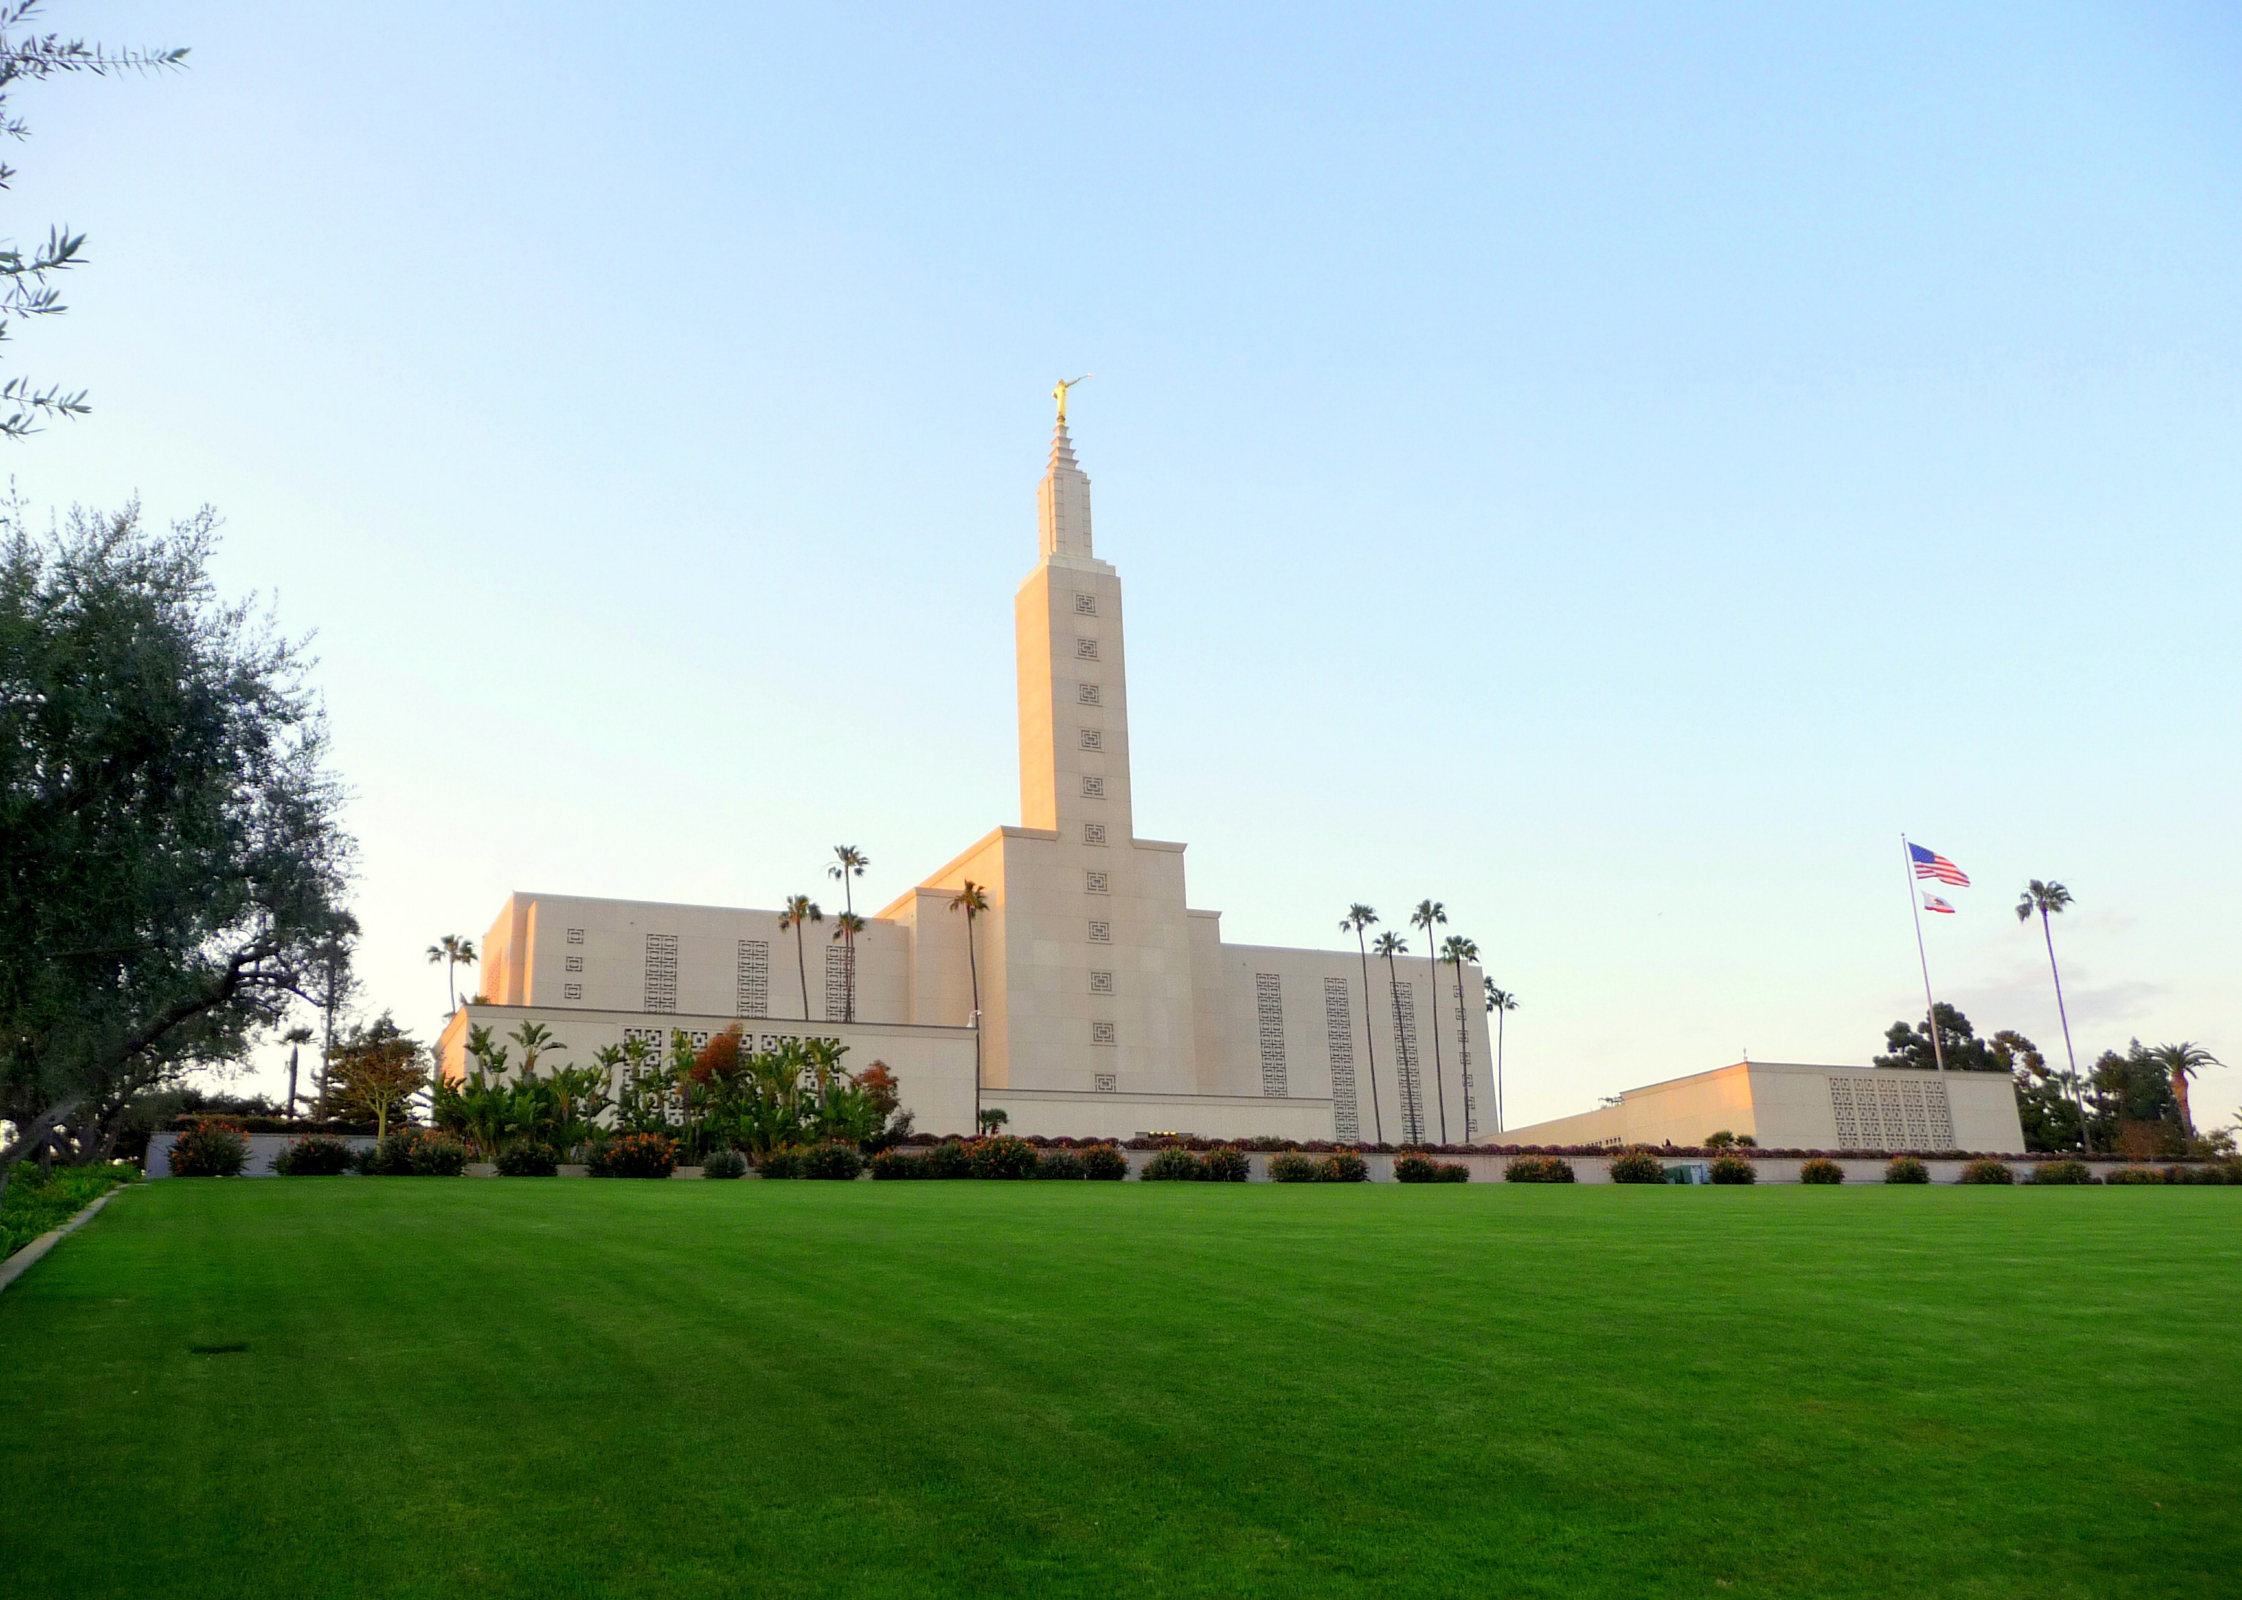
x,y
1915,905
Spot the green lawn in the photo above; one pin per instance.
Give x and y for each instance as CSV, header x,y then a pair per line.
x,y
460,1388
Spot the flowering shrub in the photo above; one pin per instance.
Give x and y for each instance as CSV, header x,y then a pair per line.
x,y
1820,1170
636,1155
2130,1175
1291,1168
1637,1166
1342,1166
890,1165
1103,1163
316,1156
832,1160
1003,1156
1734,1169
1176,1165
1986,1170
2062,1172
1906,1169
1227,1166
1059,1164
210,1150
1423,1169
528,1159
949,1159
2197,1175
1539,1169
437,1155
724,1164
784,1162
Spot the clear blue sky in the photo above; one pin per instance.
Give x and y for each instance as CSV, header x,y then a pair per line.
x,y
1610,468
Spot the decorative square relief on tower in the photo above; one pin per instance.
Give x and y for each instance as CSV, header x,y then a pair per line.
x,y
1101,933
573,964
1085,649
572,991
1103,1033
1101,983
1105,1082
1093,738
1086,694
1093,786
1096,883
576,936
1093,833
1085,605
660,991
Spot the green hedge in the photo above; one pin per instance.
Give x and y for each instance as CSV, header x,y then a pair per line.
x,y
33,1207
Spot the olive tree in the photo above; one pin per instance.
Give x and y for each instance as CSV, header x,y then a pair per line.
x,y
172,865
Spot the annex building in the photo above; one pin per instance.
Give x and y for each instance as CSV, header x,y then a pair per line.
x,y
1788,1105
1109,1006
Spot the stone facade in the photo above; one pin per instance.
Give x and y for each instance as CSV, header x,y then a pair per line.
x,y
1108,1006
1790,1106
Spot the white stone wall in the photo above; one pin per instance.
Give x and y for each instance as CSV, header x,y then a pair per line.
x,y
933,1067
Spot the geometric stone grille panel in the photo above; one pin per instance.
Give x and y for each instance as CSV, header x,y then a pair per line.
x,y
836,982
1268,1002
752,993
1085,605
1102,1033
1339,1039
660,992
1881,1114
1412,1089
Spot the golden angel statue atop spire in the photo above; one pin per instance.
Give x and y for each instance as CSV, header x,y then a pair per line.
x,y
1060,393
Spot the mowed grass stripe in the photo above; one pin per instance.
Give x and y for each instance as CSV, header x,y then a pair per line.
x,y
516,1388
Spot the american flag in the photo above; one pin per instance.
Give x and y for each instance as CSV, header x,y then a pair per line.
x,y
1932,902
1930,864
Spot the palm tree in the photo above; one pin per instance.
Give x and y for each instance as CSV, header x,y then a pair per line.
x,y
849,862
1499,1001
1456,951
295,1039
2182,1061
1358,918
1428,913
973,900
2049,899
846,927
452,951
800,909
1392,945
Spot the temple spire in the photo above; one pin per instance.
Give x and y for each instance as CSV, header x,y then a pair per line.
x,y
1063,498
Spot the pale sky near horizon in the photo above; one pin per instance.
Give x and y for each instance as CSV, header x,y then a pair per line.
x,y
1610,468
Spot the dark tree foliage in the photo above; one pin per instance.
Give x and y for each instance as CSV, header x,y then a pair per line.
x,y
172,868
2132,1105
27,286
1909,1045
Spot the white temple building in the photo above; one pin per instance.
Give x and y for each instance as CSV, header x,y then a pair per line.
x,y
1108,1006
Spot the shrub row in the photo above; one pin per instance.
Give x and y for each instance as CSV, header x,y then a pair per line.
x,y
1539,1169
1423,1169
1341,1166
1003,1157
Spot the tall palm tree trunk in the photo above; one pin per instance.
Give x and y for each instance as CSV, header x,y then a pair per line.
x,y
1412,1110
1439,1077
1369,1043
973,967
2047,930
802,966
848,952
1463,1049
1498,1072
